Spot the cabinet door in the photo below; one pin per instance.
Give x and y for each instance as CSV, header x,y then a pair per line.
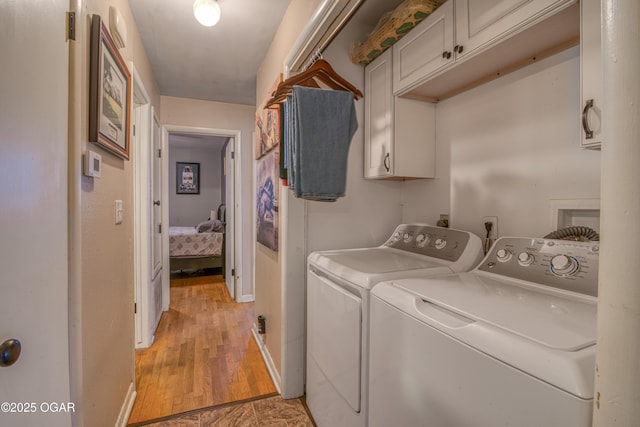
x,y
591,73
424,50
479,22
378,106
414,138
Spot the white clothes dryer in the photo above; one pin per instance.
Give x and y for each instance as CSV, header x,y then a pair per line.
x,y
338,287
510,343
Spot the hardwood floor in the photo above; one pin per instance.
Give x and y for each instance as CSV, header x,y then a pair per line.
x,y
203,355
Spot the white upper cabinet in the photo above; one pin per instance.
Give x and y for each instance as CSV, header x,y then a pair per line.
x,y
465,43
591,73
399,133
378,109
425,49
479,22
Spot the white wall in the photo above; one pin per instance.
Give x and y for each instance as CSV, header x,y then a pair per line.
x,y
191,209
364,217
507,149
101,289
371,209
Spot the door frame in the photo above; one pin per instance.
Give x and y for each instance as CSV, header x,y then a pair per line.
x,y
235,210
142,120
230,201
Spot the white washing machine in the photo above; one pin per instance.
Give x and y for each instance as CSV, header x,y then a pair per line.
x,y
338,287
510,343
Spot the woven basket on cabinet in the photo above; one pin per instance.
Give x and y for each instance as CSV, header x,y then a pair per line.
x,y
391,28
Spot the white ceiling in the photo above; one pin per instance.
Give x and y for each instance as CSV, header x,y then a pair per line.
x,y
218,63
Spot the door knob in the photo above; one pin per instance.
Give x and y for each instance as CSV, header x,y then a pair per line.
x,y
9,352
157,203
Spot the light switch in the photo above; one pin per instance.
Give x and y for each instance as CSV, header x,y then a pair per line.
x,y
119,212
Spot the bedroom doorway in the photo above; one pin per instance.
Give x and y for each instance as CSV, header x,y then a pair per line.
x,y
227,144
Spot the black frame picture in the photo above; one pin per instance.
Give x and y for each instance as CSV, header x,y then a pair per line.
x,y
187,178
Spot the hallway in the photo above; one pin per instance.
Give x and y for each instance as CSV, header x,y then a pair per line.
x,y
203,355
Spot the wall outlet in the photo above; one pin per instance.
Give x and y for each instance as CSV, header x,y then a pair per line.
x,y
262,325
443,221
493,234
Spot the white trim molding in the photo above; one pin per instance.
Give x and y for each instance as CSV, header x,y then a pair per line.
x,y
266,356
127,406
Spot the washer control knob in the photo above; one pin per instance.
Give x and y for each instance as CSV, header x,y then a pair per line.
x,y
440,243
407,237
564,265
525,259
503,255
422,240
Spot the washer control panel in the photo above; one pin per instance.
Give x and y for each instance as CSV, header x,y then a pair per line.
x,y
562,264
437,242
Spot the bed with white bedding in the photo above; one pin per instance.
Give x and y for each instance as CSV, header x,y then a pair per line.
x,y
194,248
188,242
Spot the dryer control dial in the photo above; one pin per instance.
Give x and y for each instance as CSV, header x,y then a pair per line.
x,y
422,240
564,265
525,259
503,255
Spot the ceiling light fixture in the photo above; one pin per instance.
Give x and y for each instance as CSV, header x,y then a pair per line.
x,y
207,12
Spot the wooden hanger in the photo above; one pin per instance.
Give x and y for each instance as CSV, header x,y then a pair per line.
x,y
321,71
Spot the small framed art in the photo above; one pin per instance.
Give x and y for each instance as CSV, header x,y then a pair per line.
x,y
187,178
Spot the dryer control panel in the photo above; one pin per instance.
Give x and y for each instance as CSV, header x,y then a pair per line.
x,y
437,242
562,264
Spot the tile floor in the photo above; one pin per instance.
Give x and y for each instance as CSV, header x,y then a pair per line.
x,y
270,411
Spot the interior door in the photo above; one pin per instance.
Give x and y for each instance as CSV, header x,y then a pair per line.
x,y
229,170
157,228
33,249
156,191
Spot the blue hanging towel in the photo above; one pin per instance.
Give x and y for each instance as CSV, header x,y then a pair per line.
x,y
323,123
291,136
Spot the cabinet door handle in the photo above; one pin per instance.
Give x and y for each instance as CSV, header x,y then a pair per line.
x,y
458,49
585,123
446,54
387,162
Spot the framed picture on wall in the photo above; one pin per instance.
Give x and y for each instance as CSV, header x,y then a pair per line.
x,y
268,127
187,178
109,93
267,201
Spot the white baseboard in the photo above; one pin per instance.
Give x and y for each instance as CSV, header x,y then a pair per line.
x,y
127,406
246,298
266,356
